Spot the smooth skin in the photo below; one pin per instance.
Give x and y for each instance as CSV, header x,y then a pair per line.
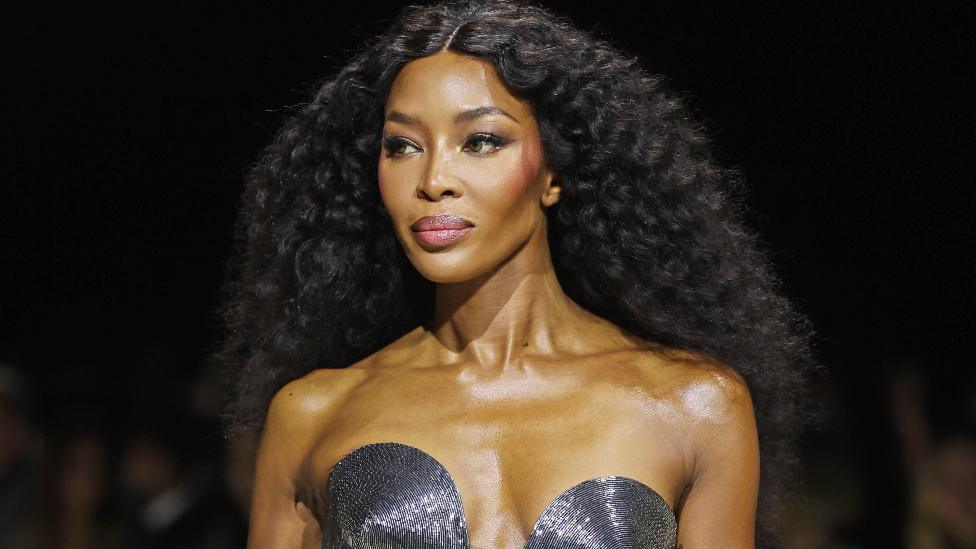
x,y
515,389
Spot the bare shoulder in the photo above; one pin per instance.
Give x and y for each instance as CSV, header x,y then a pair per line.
x,y
702,391
713,415
709,411
312,399
299,413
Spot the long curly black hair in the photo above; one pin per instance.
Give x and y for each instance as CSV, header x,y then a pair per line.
x,y
649,232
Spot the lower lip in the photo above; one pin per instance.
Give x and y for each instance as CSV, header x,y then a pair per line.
x,y
440,237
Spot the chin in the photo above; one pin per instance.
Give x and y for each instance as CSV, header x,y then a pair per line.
x,y
445,269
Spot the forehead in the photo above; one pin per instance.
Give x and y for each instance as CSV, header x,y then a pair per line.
x,y
449,82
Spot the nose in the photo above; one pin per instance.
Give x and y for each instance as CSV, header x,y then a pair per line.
x,y
439,179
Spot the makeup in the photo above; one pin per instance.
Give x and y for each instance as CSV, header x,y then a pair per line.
x,y
438,231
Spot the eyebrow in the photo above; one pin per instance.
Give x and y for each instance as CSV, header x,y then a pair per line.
x,y
470,114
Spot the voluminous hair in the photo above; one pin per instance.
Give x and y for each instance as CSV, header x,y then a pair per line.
x,y
649,232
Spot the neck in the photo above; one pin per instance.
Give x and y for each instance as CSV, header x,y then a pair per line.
x,y
516,309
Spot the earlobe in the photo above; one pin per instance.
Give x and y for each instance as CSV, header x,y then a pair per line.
x,y
551,196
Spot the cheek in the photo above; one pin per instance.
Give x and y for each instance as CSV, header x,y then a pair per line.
x,y
524,174
506,189
381,176
387,178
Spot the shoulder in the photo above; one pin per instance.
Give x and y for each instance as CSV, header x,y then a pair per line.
x,y
314,394
706,398
718,421
713,393
310,402
710,413
299,413
699,382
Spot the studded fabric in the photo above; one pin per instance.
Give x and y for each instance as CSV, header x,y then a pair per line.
x,y
388,495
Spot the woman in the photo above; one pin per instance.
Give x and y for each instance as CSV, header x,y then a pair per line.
x,y
502,297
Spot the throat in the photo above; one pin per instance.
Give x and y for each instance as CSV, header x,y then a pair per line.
x,y
497,321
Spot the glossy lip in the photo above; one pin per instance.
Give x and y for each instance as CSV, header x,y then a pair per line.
x,y
435,232
440,222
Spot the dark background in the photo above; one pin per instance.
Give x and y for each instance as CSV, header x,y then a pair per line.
x,y
128,133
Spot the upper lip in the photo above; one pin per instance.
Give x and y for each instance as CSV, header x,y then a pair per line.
x,y
440,222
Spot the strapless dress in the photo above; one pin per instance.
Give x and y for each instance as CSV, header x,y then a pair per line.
x,y
388,495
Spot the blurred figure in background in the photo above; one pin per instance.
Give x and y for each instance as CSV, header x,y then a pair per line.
x,y
172,503
945,497
235,466
20,451
940,473
73,508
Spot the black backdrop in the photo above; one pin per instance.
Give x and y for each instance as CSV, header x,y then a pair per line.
x,y
128,131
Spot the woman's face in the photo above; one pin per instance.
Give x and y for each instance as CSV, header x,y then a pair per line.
x,y
457,143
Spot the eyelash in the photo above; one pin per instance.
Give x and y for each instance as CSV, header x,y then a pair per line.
x,y
391,143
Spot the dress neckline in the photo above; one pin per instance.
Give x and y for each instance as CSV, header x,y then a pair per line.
x,y
618,479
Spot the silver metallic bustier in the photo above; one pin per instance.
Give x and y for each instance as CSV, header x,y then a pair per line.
x,y
388,495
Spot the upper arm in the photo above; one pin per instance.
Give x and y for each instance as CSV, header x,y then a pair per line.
x,y
279,519
719,509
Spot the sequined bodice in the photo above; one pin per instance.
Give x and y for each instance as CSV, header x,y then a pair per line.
x,y
391,495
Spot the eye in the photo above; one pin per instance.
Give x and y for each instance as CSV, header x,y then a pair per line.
x,y
484,143
395,146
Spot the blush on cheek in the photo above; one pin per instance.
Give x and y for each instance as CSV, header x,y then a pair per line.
x,y
528,167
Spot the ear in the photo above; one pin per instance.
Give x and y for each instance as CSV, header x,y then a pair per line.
x,y
551,194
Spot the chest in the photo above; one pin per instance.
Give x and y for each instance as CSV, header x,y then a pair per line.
x,y
509,451
389,494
